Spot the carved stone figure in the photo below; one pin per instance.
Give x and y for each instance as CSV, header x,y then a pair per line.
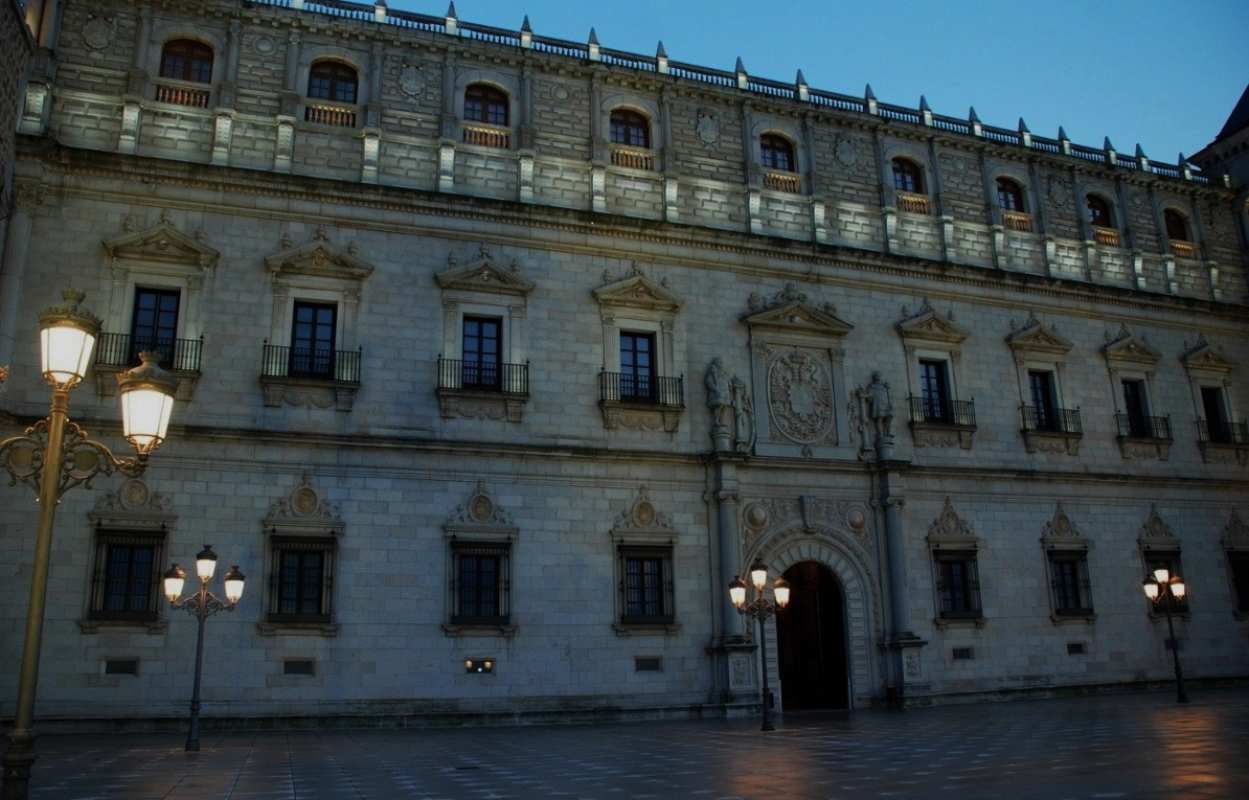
x,y
719,402
880,406
743,416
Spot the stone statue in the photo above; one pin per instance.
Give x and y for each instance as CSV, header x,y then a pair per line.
x,y
719,402
743,416
879,406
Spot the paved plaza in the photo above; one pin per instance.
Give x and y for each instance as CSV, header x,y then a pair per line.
x,y
1125,746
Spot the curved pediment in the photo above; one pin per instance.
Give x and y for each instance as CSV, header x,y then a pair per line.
x,y
1128,348
927,325
319,258
483,275
1205,357
637,291
1037,337
162,244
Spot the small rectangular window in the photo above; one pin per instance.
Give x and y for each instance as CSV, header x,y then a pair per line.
x,y
648,664
299,666
126,575
154,325
646,585
1069,583
1136,407
637,367
934,388
302,578
313,331
1239,562
482,352
1044,399
480,583
958,585
963,654
1214,408
121,666
1075,648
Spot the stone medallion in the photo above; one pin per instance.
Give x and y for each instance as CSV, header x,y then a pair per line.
x,y
800,397
707,127
846,151
411,80
134,494
263,45
97,33
482,508
304,500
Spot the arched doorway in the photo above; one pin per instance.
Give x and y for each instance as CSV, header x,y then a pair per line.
x,y
811,640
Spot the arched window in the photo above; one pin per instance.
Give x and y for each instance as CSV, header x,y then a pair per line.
x,y
187,60
907,176
630,128
1099,212
332,80
1009,195
484,103
777,152
1177,225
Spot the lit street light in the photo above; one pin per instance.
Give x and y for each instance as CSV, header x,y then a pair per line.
x,y
203,604
1164,589
760,608
53,456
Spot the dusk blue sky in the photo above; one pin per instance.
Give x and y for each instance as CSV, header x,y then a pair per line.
x,y
1162,74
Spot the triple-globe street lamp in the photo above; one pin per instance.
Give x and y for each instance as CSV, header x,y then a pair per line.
x,y
1167,590
202,605
760,608
53,456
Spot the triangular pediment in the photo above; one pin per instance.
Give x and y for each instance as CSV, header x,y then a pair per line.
x,y
483,275
637,291
929,325
1204,357
163,244
1037,337
1130,349
799,317
321,259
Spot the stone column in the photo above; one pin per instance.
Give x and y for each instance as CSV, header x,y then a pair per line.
x,y
13,267
904,667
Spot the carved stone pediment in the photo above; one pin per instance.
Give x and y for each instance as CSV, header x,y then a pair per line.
x,y
133,507
641,520
1204,357
1061,533
1129,349
162,244
1235,533
319,258
1156,534
304,511
483,275
1035,337
927,325
949,530
637,291
480,516
799,317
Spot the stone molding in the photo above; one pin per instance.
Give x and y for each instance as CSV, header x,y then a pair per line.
x,y
1036,339
928,326
1060,533
160,244
1203,359
1156,534
637,291
1126,349
950,531
642,523
790,312
480,517
304,512
320,259
483,275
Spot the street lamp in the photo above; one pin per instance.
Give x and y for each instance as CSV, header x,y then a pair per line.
x,y
1164,589
203,604
760,608
53,456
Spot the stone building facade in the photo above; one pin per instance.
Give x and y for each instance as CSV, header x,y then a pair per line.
x,y
499,356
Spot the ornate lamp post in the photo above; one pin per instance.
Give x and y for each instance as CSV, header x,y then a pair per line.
x,y
1164,589
760,608
53,456
203,604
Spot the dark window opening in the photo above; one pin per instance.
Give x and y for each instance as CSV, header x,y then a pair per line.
x,y
1136,407
1070,584
300,581
483,344
646,576
1239,562
637,367
332,80
128,577
777,152
1214,406
934,391
187,60
958,585
154,325
630,128
1176,224
1044,399
480,584
313,331
963,653
907,176
299,666
1009,195
483,103
1099,212
121,666
1075,648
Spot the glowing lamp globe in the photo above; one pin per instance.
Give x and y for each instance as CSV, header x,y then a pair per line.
x,y
759,575
67,337
1162,575
1151,589
1178,589
780,589
737,592
234,584
147,393
175,578
206,563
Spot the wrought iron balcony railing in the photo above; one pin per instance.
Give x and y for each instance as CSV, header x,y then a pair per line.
x,y
483,376
122,350
1222,432
1137,426
337,366
625,387
1051,420
940,411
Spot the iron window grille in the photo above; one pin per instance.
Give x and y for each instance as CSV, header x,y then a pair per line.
x,y
510,379
480,583
301,580
645,585
126,577
1222,432
1140,426
338,366
938,411
122,350
1040,419
958,585
1070,589
642,389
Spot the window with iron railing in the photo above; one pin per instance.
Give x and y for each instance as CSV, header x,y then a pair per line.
x,y
121,351
1222,432
1143,427
1051,420
659,391
508,379
337,366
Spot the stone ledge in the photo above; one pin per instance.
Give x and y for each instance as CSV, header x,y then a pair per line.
x,y
624,629
308,392
467,404
457,630
942,623
327,630
153,627
1064,619
1052,442
640,416
1224,453
926,434
1131,448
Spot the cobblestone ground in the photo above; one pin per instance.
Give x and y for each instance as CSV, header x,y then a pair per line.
x,y
1138,746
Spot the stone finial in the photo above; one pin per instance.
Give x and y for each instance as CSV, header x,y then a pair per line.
x,y
1185,171
923,103
972,116
661,58
869,99
379,10
526,34
1112,157
925,111
1140,152
742,79
524,25
1141,158
976,128
804,91
1064,141
451,21
451,11
1023,126
593,37
739,67
1107,146
660,52
1062,134
595,53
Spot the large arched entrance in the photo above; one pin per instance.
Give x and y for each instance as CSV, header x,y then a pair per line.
x,y
811,640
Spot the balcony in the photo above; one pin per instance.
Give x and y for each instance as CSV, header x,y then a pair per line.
x,y
1223,442
641,402
1143,436
482,390
178,95
1017,221
941,422
311,378
117,352
334,115
1182,249
782,182
1107,237
633,158
483,136
914,203
1051,430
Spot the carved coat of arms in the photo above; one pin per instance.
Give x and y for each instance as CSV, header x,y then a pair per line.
x,y
411,81
707,127
800,397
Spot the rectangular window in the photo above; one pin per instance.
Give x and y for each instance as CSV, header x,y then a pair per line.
x,y
481,584
646,585
1214,407
154,325
1044,399
637,367
1070,584
1170,561
1137,408
126,574
483,344
1239,563
958,585
301,580
934,391
312,340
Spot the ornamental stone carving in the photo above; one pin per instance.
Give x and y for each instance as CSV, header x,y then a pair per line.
x,y
134,506
1060,531
1155,531
98,32
304,510
641,515
800,397
949,527
481,512
707,127
732,410
770,517
411,79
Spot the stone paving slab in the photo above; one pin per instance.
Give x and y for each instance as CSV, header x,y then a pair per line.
x,y
1126,746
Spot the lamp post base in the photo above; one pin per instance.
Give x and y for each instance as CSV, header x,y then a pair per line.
x,y
18,760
